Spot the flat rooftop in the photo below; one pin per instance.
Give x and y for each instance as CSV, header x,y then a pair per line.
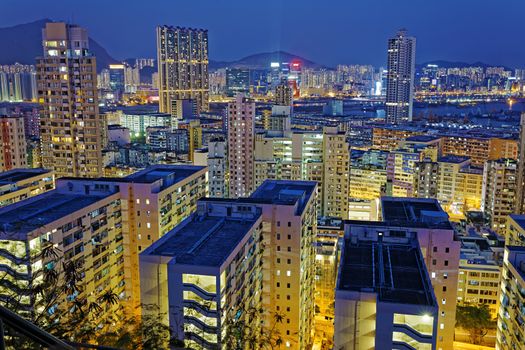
x,y
26,216
453,159
395,272
174,173
284,193
17,175
202,240
519,219
422,138
170,174
414,211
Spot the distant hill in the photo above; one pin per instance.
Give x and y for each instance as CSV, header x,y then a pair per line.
x,y
263,60
23,42
450,64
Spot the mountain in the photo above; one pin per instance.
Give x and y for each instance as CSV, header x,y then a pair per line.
x,y
263,60
450,64
23,42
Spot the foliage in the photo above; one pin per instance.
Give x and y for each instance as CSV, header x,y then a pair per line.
x,y
53,300
476,320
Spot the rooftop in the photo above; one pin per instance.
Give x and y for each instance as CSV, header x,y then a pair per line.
x,y
284,193
422,138
414,212
453,159
28,215
395,272
519,219
17,175
202,239
169,174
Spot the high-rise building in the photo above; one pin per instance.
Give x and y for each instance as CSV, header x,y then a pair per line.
x,y
20,184
283,95
383,297
308,156
499,192
241,134
519,206
439,246
237,81
13,147
515,230
510,332
71,126
182,110
195,137
182,56
214,259
400,78
117,80
218,176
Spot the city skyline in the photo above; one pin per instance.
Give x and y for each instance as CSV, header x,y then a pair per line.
x,y
463,36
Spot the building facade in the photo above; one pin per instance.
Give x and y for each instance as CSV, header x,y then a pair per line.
x,y
71,136
13,150
400,78
182,61
241,134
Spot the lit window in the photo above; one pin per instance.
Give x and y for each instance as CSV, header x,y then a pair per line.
x,y
433,275
442,326
147,201
278,272
138,200
148,225
443,301
288,273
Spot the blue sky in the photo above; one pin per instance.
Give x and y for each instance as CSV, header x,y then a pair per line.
x,y
328,31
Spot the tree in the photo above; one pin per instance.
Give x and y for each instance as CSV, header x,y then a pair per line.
x,y
52,299
476,320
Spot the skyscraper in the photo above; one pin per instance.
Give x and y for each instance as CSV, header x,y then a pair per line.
x,y
241,133
519,206
400,77
67,89
13,143
182,55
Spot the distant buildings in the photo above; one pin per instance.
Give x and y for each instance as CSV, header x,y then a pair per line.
x,y
241,134
237,81
13,146
17,83
71,126
182,56
218,172
283,95
400,78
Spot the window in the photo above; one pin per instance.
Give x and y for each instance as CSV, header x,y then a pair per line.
x,y
289,236
435,249
289,249
278,272
434,261
447,250
288,261
443,301
289,224
287,285
147,201
288,297
444,288
288,273
278,260
138,200
278,284
278,236
446,262
278,248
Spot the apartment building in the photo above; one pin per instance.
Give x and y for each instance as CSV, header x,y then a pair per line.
x,y
20,184
384,297
13,153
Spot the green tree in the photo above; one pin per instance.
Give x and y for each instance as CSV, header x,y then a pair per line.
x,y
476,320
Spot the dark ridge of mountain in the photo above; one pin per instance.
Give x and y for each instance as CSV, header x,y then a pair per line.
x,y
263,60
23,43
451,64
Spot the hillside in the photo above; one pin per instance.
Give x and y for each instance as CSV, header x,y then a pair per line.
x,y
23,42
263,60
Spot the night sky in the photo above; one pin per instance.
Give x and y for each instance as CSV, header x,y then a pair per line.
x,y
327,31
